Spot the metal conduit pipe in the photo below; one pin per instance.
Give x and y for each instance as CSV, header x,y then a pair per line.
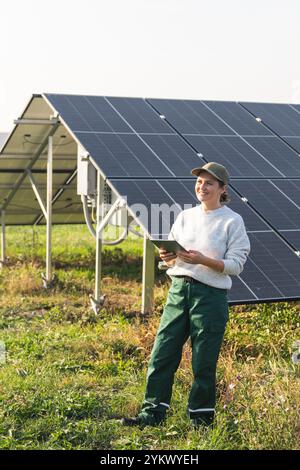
x,y
135,232
119,240
87,216
93,231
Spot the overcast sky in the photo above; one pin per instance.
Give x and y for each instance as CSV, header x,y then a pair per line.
x,y
202,49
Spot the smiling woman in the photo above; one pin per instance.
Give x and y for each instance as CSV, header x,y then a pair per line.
x,y
210,191
217,246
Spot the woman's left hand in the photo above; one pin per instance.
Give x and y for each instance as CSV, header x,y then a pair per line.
x,y
192,257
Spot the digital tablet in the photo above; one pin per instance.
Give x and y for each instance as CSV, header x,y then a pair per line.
x,y
171,246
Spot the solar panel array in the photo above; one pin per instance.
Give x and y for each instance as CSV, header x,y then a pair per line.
x,y
145,149
17,151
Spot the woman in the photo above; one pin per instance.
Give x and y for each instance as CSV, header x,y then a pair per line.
x,y
218,246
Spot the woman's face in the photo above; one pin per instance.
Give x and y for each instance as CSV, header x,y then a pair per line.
x,y
208,189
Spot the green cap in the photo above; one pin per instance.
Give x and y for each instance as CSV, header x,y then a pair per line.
x,y
215,169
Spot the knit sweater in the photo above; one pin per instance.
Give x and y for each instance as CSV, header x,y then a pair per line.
x,y
218,234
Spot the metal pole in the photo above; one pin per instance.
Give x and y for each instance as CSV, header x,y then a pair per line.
x,y
148,276
49,211
99,299
3,241
37,194
99,214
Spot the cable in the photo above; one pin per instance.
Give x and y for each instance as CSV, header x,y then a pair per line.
x,y
92,229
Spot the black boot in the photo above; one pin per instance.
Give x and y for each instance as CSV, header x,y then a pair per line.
x,y
205,422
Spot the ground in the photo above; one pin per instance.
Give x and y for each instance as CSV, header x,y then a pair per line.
x,y
68,374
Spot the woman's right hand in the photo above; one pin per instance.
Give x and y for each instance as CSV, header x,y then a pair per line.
x,y
166,256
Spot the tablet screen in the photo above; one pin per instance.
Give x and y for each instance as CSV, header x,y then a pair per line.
x,y
171,246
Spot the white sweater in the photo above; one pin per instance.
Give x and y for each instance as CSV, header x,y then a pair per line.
x,y
218,234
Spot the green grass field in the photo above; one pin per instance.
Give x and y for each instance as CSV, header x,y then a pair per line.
x,y
69,375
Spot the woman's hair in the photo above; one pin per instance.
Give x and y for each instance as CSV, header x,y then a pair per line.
x,y
225,198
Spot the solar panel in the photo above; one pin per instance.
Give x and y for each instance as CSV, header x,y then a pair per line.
x,y
179,192
281,118
291,188
274,205
191,117
146,149
237,118
126,137
175,153
183,193
272,270
67,207
222,132
140,116
266,275
293,142
236,154
240,292
123,155
282,157
296,107
88,113
24,202
143,198
292,237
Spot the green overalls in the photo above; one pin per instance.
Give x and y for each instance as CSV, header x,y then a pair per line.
x,y
200,311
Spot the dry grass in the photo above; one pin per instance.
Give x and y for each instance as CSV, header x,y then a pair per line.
x,y
22,279
69,373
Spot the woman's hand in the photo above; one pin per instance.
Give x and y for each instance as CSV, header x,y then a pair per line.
x,y
195,257
191,257
166,256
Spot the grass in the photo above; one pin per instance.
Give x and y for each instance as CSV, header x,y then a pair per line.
x,y
69,374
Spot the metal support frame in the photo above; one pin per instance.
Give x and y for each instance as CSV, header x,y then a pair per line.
x,y
148,276
98,267
37,122
3,240
49,209
119,203
48,279
148,255
37,193
58,193
92,231
98,300
35,157
101,222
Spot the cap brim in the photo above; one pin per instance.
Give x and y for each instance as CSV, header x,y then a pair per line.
x,y
197,171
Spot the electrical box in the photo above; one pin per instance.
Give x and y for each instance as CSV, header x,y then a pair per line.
x,y
87,186
86,174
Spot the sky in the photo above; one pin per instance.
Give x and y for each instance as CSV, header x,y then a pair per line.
x,y
194,49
